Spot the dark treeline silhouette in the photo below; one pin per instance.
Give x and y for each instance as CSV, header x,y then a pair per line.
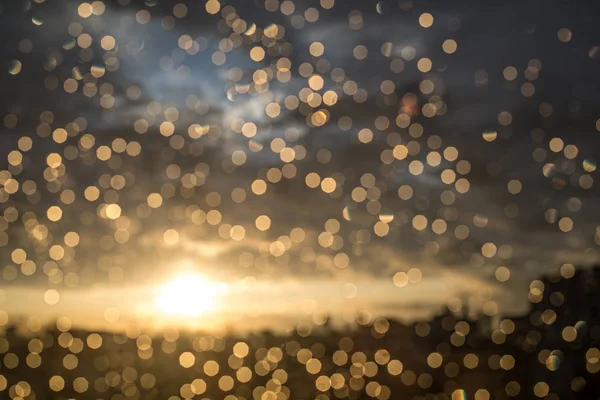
x,y
552,353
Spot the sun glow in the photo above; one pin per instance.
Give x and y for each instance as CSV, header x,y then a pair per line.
x,y
189,295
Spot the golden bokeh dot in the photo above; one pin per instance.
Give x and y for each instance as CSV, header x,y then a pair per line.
x,y
51,297
273,110
381,228
419,222
226,383
312,180
54,160
91,193
328,185
565,224
569,334
400,279
259,187
564,35
541,389
515,186
316,49
25,143
449,46
187,359
510,73
360,52
167,128
142,17
154,200
240,349
424,65
113,211
56,383
257,53
108,42
434,360
211,368
502,274
213,6
316,82
54,213
85,10
263,223
171,236
426,20
19,256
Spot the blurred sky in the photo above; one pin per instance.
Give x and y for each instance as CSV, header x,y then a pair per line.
x,y
411,208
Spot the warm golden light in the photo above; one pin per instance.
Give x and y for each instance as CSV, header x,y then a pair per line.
x,y
189,295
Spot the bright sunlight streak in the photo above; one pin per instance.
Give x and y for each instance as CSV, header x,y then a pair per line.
x,y
189,295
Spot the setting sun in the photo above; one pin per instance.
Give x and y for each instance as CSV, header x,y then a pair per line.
x,y
189,295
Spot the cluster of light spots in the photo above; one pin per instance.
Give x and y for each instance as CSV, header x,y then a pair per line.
x,y
305,166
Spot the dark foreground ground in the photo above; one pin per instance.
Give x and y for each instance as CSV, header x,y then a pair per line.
x,y
550,353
